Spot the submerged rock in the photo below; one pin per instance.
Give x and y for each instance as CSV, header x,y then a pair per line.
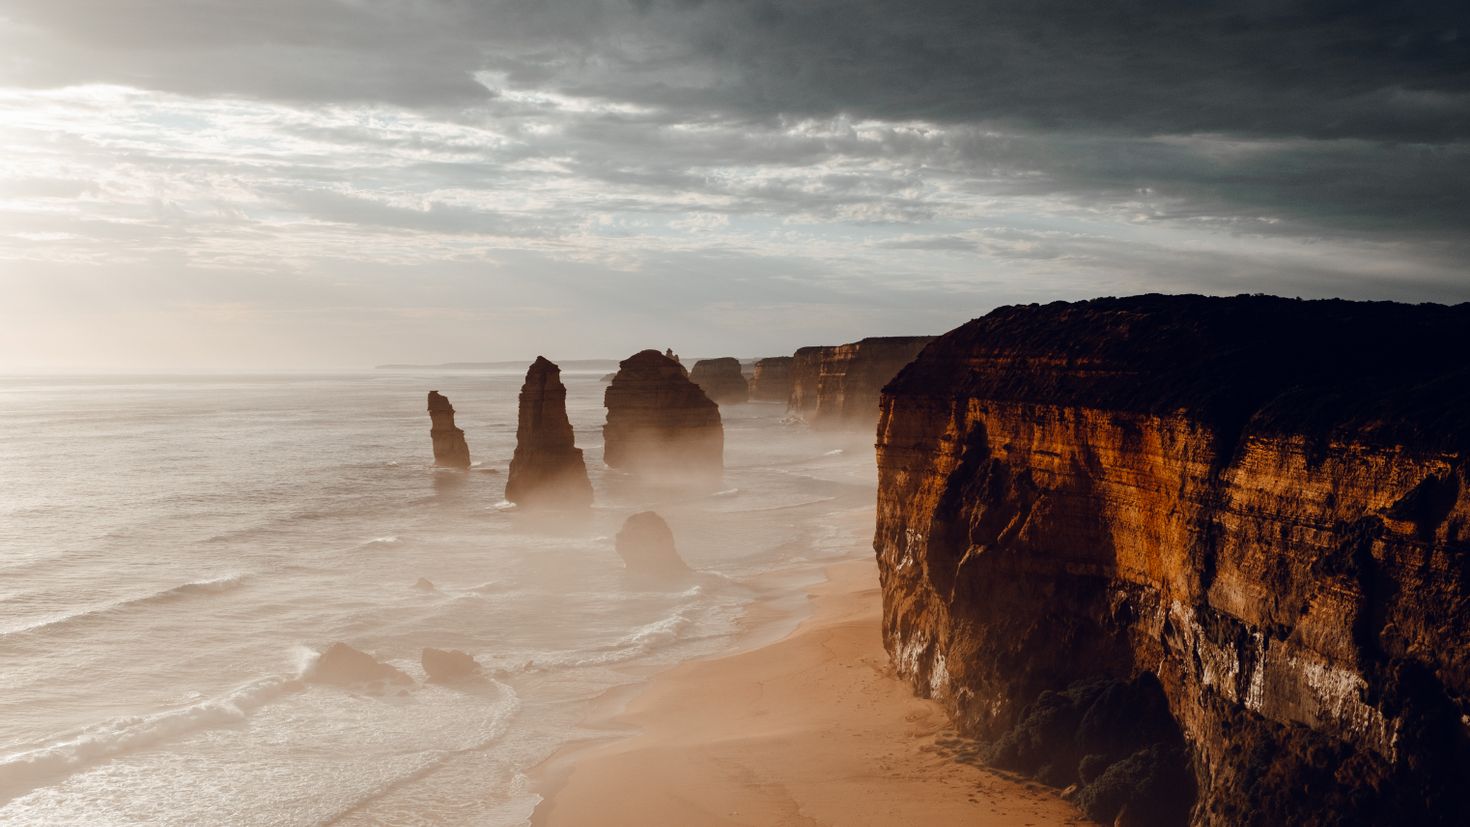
x,y
443,665
660,424
450,450
547,469
646,545
424,585
342,665
721,380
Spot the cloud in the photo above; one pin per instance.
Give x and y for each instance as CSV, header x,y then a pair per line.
x,y
685,154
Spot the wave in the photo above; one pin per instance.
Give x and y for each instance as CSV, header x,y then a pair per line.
x,y
388,540
24,771
728,492
216,585
834,452
500,725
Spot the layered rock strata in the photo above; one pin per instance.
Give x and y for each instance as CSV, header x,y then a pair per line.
x,y
839,386
721,380
659,424
547,469
1259,506
450,449
772,379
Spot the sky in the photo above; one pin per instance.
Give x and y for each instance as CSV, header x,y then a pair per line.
x,y
312,184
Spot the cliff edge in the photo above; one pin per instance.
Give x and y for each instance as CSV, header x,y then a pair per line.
x,y
1225,534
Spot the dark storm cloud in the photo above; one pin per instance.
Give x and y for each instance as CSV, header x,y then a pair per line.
x,y
1313,68
1292,118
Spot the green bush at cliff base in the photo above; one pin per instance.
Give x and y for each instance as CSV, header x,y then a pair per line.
x,y
1115,740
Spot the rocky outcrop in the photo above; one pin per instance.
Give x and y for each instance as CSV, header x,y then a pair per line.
x,y
448,665
772,379
450,450
1252,511
838,386
659,424
342,665
721,380
547,468
646,545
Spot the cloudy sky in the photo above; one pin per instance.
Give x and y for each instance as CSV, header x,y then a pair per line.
x,y
240,184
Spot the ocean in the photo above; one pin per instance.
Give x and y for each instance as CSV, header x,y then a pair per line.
x,y
176,550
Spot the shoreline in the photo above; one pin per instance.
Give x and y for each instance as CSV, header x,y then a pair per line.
x,y
811,727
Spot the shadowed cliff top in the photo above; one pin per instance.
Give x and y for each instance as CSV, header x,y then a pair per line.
x,y
1382,372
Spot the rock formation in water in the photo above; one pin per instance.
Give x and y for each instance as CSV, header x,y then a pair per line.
x,y
839,386
547,468
772,380
1126,536
660,424
450,449
721,380
447,665
342,665
646,545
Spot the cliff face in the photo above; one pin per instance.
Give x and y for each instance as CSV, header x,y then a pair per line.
x,y
721,380
772,379
547,468
450,449
660,424
1260,507
839,386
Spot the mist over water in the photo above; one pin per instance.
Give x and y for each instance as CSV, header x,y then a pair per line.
x,y
174,551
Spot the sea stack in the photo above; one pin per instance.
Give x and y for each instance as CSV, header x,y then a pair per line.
x,y
660,424
1126,538
772,379
547,468
646,545
450,450
721,380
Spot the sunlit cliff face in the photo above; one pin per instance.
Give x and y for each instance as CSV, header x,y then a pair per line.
x,y
334,183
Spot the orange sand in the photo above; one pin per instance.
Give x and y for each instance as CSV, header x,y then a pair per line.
x,y
812,730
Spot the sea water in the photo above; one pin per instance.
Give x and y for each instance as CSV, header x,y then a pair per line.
x,y
176,550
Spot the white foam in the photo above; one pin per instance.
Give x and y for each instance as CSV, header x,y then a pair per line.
x,y
24,771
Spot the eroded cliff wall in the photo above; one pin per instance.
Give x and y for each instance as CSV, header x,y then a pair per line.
x,y
1263,504
838,386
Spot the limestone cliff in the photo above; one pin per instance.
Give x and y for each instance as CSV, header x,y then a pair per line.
x,y
450,449
547,467
1255,510
838,386
721,380
659,424
772,379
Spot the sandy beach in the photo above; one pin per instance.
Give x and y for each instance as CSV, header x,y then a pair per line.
x,y
811,730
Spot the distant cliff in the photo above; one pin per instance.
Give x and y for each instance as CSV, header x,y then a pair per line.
x,y
771,381
838,386
1245,521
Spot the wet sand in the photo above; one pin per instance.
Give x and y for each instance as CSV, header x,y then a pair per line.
x,y
814,729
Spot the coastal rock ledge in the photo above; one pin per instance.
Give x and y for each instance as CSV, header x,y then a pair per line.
x,y
660,425
1245,521
547,469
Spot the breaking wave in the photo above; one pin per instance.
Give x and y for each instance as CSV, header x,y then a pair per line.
x,y
199,587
